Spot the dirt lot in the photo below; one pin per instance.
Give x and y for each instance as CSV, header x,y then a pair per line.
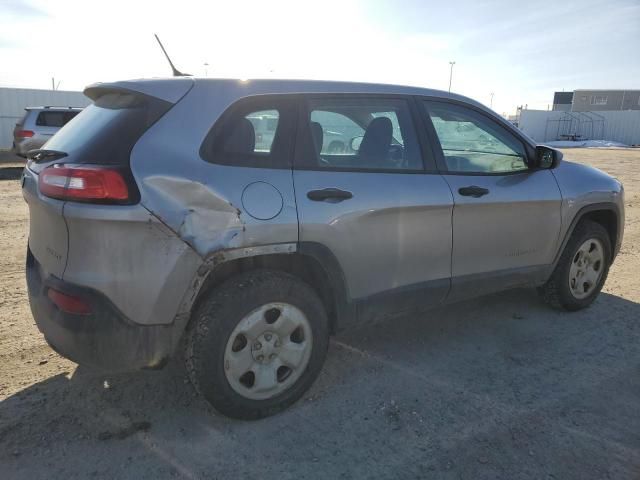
x,y
500,387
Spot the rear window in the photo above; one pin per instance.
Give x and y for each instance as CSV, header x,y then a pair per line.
x,y
20,122
53,118
106,131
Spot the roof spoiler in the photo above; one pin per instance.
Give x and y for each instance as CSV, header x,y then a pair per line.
x,y
168,89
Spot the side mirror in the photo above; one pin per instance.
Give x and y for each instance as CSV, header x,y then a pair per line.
x,y
547,157
355,142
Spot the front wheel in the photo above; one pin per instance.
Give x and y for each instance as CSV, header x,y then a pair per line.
x,y
257,344
582,269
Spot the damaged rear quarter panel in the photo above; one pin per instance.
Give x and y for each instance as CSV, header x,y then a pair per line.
x,y
198,215
128,255
201,202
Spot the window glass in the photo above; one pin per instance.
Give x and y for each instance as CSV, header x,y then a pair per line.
x,y
250,134
473,143
254,132
599,100
264,124
20,122
50,119
68,116
337,132
370,134
108,109
394,122
106,131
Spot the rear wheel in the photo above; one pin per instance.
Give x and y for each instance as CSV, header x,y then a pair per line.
x,y
581,270
257,344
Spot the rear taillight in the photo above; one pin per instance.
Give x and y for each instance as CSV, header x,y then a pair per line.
x,y
68,303
24,133
84,184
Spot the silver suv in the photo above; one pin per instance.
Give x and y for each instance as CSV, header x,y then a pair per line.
x,y
160,224
38,125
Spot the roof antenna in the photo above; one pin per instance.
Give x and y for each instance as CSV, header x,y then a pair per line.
x,y
176,72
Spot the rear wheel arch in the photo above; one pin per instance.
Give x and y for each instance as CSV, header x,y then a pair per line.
x,y
310,263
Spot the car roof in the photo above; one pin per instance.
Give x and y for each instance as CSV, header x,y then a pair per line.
x,y
172,88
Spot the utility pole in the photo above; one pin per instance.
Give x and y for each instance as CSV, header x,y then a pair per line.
x,y
451,74
53,84
491,104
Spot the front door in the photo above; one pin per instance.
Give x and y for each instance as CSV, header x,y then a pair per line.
x,y
506,217
361,190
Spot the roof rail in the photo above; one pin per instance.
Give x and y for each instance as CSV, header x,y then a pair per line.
x,y
56,106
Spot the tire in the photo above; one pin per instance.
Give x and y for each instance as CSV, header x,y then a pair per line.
x,y
241,302
558,290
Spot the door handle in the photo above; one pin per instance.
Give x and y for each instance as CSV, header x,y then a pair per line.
x,y
473,191
332,195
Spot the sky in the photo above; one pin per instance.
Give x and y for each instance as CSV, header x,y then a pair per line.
x,y
520,51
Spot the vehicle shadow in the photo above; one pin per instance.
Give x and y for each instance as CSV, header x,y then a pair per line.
x,y
487,388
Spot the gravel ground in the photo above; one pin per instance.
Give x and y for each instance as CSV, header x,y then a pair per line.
x,y
499,387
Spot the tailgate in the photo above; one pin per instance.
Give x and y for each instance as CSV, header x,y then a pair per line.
x,y
48,237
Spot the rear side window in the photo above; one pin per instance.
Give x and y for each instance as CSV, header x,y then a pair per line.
x,y
106,131
53,118
265,125
356,133
254,132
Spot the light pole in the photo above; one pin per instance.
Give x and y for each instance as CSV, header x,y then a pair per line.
x,y
451,74
491,104
206,67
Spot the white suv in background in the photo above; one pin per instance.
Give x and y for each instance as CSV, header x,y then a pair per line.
x,y
38,125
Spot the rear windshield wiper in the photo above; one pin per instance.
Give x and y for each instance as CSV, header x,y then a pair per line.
x,y
40,154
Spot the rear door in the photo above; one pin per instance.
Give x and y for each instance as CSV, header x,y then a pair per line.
x,y
363,192
506,218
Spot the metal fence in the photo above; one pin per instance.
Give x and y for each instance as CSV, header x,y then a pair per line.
x,y
546,126
14,100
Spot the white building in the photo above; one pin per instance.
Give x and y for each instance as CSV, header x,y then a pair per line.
x,y
13,101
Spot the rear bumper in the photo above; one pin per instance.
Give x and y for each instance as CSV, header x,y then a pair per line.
x,y
104,339
17,150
